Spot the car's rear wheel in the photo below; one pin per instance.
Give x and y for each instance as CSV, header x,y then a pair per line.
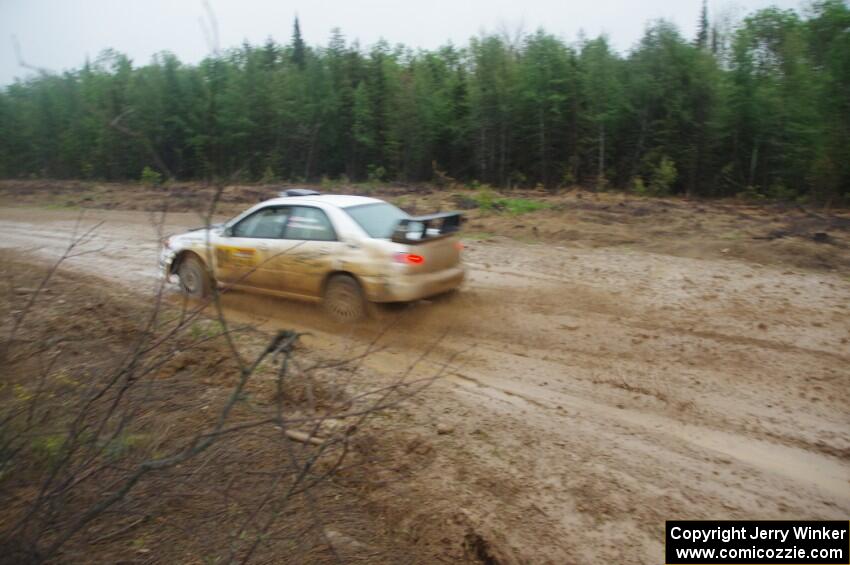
x,y
194,279
343,300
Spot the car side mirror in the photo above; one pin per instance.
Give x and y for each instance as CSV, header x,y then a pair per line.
x,y
227,232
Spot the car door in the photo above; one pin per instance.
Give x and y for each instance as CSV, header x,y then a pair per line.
x,y
242,251
307,252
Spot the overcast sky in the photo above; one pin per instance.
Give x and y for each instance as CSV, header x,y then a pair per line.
x,y
60,34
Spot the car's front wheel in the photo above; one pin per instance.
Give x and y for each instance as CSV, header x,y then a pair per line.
x,y
343,299
194,279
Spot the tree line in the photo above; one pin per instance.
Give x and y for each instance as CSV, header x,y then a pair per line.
x,y
760,107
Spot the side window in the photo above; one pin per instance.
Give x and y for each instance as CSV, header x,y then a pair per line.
x,y
309,223
267,223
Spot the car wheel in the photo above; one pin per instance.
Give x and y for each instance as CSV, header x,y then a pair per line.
x,y
343,300
194,279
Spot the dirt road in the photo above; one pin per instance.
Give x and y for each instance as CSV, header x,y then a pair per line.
x,y
594,393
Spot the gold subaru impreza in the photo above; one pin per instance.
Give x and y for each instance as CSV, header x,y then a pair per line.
x,y
342,250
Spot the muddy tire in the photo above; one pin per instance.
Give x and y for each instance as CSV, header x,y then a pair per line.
x,y
194,279
343,300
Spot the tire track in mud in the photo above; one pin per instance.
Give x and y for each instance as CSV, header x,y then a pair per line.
x,y
815,470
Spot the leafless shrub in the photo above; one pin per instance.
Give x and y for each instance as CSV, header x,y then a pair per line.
x,y
75,448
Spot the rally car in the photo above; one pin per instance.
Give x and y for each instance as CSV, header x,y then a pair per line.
x,y
344,251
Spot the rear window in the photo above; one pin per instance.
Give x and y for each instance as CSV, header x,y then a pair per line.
x,y
378,220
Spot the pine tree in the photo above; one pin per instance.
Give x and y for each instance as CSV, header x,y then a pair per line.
x,y
299,50
703,29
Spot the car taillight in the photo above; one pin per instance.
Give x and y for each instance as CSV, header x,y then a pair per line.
x,y
409,258
459,246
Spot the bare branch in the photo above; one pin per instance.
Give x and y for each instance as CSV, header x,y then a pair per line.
x,y
16,47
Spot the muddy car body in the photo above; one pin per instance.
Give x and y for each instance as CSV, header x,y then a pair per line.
x,y
343,250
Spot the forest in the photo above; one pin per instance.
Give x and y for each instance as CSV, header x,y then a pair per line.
x,y
759,106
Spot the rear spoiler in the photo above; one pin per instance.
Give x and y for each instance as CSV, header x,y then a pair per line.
x,y
419,229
